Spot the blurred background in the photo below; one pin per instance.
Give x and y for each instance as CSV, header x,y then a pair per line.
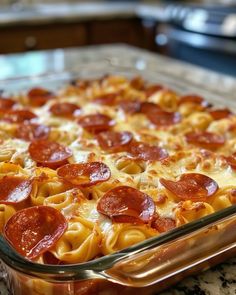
x,y
199,32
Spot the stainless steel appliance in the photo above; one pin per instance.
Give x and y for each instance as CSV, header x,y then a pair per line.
x,y
201,34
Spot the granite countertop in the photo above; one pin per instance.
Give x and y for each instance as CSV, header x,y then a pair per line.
x,y
69,12
220,280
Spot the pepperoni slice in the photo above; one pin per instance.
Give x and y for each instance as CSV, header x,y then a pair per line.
x,y
163,118
109,99
19,116
146,152
49,258
220,114
81,84
33,231
158,116
149,107
14,189
6,103
31,131
205,139
191,186
150,90
39,96
130,106
114,141
64,109
232,160
96,123
85,174
49,153
137,83
194,99
163,224
127,204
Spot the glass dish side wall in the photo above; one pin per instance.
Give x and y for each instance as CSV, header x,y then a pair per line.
x,y
157,268
149,72
37,283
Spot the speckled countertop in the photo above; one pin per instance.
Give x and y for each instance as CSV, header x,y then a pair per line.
x,y
69,12
220,280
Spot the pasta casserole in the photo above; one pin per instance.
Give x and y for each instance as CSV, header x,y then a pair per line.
x,y
103,164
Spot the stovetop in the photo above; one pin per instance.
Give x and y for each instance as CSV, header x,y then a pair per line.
x,y
219,20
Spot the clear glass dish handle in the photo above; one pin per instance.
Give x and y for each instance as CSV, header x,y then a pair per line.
x,y
183,256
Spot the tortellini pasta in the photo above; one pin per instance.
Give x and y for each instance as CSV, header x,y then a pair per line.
x,y
81,242
67,202
188,211
6,211
46,188
167,99
199,120
120,236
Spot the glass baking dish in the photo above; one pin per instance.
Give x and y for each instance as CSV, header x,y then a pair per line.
x,y
149,266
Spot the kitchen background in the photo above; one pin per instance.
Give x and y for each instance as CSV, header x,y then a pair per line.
x,y
203,32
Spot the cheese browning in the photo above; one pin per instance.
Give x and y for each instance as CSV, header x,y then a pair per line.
x,y
142,133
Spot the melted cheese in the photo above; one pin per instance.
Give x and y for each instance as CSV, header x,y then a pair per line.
x,y
91,234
